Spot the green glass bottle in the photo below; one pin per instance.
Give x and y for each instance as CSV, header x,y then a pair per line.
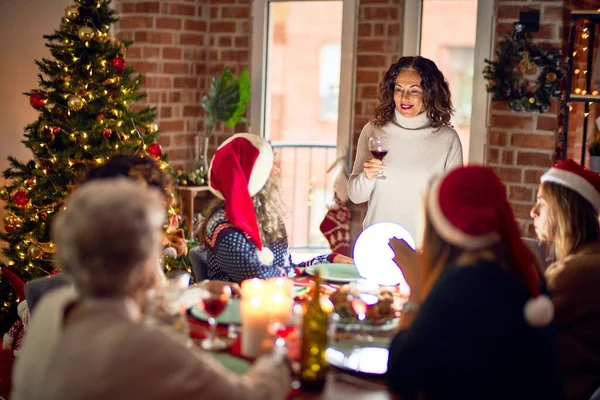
x,y
313,363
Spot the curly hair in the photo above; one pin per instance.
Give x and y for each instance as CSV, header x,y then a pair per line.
x,y
142,169
269,208
436,93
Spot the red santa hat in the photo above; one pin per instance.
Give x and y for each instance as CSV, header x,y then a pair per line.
x,y
18,286
577,178
468,208
239,169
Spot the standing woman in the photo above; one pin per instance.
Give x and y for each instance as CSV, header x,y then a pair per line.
x,y
566,212
414,113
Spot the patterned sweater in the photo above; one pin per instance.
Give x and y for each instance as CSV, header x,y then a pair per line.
x,y
231,254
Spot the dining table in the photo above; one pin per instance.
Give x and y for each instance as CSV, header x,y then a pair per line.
x,y
341,384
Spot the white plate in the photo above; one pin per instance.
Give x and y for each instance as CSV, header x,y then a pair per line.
x,y
360,356
231,314
334,272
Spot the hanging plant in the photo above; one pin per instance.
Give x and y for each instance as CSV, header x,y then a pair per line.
x,y
507,75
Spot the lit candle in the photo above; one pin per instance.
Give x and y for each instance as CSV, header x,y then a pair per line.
x,y
263,301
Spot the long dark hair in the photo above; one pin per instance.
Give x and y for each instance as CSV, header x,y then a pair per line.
x,y
436,93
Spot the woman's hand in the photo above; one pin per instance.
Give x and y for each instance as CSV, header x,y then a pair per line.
x,y
341,259
407,260
217,286
372,167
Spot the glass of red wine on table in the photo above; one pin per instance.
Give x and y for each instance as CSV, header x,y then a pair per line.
x,y
214,303
379,147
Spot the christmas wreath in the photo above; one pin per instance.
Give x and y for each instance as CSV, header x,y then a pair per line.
x,y
518,59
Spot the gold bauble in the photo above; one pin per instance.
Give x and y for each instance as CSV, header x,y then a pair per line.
x,y
47,247
85,33
551,76
71,12
531,100
35,252
75,103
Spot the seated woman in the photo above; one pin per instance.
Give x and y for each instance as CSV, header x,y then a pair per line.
x,y
566,212
90,343
476,325
243,231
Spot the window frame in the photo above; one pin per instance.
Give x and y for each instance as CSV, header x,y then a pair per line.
x,y
258,69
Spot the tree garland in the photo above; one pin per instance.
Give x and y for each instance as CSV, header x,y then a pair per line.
x,y
515,60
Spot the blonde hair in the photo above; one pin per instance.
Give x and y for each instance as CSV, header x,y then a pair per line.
x,y
269,208
575,220
108,234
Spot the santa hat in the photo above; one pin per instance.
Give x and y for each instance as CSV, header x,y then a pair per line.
x,y
239,169
18,286
577,178
469,209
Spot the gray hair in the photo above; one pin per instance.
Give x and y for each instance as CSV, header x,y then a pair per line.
x,y
108,230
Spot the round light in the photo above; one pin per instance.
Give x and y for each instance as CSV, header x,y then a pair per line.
x,y
374,259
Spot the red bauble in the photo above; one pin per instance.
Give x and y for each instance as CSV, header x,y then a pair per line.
x,y
155,149
8,228
118,63
43,215
38,100
107,132
55,271
20,198
56,130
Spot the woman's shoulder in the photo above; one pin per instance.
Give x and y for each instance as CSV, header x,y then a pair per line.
x,y
447,131
581,267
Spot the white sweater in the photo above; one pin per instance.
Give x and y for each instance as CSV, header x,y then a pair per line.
x,y
417,154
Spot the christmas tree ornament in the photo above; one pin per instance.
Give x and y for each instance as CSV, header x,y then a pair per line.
x,y
71,12
56,130
75,103
38,100
118,63
62,114
30,182
45,131
34,251
85,33
100,117
43,215
107,132
50,105
155,150
21,198
8,228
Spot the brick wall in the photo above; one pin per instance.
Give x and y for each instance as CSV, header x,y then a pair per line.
x,y
521,146
378,45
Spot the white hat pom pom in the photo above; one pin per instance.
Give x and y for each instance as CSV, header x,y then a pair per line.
x,y
539,311
265,256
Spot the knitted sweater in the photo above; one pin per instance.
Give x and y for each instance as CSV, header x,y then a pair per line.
x,y
470,341
417,153
574,284
231,254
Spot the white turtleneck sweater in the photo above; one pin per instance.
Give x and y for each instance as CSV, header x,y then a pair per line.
x,y
417,154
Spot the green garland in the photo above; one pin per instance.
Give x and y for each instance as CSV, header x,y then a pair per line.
x,y
506,81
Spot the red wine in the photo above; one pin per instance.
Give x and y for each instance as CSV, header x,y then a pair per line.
x,y
379,154
214,307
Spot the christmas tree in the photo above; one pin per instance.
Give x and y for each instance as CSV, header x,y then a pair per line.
x,y
84,98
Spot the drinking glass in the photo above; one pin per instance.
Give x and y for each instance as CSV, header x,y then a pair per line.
x,y
214,302
379,147
360,304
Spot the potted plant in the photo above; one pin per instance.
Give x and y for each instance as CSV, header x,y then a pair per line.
x,y
594,149
225,102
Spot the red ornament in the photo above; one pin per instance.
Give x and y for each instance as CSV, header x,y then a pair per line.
x,y
100,117
20,198
155,150
38,100
118,63
43,215
9,228
55,271
56,130
107,132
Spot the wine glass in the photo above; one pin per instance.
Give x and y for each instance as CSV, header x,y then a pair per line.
x,y
214,302
379,146
360,304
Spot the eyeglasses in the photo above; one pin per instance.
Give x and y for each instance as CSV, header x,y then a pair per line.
x,y
411,93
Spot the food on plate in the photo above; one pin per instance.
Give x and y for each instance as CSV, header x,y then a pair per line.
x,y
378,312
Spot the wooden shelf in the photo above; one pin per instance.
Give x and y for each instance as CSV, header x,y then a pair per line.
x,y
584,98
187,196
593,16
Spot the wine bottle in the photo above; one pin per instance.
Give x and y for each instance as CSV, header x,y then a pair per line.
x,y
313,363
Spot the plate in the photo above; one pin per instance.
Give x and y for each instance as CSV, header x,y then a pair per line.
x,y
360,356
231,314
341,273
232,363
